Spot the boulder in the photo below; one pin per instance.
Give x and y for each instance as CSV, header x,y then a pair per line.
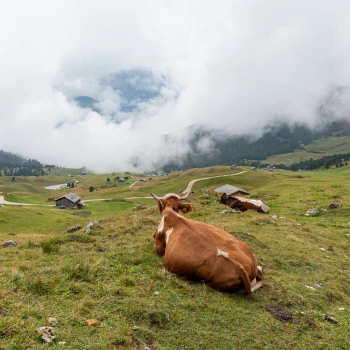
x,y
8,244
313,212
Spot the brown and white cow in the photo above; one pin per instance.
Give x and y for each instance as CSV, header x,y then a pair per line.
x,y
244,204
203,252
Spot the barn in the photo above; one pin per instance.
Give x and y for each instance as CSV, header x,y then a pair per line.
x,y
228,189
69,200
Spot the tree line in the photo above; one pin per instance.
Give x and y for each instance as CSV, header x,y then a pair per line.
x,y
15,165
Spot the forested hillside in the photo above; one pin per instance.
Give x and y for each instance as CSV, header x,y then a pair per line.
x,y
15,165
278,139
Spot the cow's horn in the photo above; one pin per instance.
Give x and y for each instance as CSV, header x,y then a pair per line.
x,y
156,197
185,196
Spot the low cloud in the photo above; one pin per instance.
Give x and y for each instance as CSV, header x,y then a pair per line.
x,y
158,70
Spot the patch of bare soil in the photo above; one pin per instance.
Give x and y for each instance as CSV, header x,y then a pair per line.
x,y
280,313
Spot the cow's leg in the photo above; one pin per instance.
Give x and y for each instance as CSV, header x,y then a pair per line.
x,y
256,285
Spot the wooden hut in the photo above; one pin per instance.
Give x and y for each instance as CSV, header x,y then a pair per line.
x,y
228,189
69,200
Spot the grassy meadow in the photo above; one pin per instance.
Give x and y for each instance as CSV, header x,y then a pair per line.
x,y
326,146
113,276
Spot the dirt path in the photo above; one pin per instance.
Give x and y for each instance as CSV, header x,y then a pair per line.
x,y
191,183
3,201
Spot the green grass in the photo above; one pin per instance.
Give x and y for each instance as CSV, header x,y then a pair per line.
x,y
112,274
327,146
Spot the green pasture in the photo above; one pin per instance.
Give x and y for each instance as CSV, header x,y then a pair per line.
x,y
316,149
112,274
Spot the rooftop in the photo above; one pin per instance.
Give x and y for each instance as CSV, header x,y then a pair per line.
x,y
228,189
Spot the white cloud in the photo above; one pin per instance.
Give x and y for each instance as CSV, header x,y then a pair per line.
x,y
230,65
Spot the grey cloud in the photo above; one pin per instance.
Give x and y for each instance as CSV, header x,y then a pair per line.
x,y
161,67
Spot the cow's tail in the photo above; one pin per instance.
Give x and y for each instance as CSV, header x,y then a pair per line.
x,y
243,274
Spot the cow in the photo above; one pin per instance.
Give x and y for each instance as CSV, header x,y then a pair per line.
x,y
202,252
244,204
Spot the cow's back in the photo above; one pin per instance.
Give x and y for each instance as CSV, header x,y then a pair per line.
x,y
197,250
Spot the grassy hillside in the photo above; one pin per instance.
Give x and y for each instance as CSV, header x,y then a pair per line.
x,y
112,274
317,149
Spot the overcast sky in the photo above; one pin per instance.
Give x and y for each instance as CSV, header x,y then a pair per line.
x,y
230,65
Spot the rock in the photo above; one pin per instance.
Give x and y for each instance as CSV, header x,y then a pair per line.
x,y
73,229
53,321
91,322
329,318
8,244
313,212
334,205
138,207
5,312
48,334
231,211
90,225
322,249
309,287
82,213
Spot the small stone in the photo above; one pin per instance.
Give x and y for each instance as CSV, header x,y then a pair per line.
x,y
73,229
62,343
8,244
156,293
5,312
334,205
48,334
322,249
53,321
313,212
91,322
231,211
341,308
138,208
90,225
329,318
309,287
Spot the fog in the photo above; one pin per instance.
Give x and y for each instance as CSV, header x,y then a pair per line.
x,y
154,70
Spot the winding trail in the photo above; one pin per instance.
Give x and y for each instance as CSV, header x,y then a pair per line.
x,y
191,183
3,201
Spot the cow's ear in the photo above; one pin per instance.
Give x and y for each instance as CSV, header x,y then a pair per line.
x,y
160,206
186,208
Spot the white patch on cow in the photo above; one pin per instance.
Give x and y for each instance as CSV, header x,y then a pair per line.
x,y
222,253
167,234
256,202
161,225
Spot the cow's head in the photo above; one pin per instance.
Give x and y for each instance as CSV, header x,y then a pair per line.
x,y
173,201
223,198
